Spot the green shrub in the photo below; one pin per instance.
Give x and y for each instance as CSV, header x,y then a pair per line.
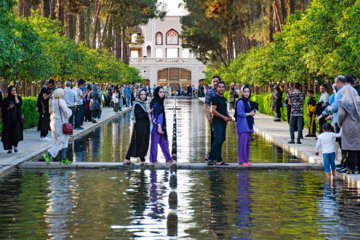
x,y
31,116
264,106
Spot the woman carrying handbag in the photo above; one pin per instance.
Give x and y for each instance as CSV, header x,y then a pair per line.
x,y
60,128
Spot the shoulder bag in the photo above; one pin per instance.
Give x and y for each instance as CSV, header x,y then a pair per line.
x,y
67,127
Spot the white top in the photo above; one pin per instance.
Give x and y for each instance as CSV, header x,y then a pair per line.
x,y
115,98
327,141
78,96
324,98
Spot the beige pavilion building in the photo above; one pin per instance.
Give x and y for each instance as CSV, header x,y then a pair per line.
x,y
161,59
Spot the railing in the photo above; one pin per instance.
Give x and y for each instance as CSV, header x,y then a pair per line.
x,y
162,60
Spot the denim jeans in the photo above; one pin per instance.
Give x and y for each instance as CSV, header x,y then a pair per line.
x,y
79,112
329,161
219,138
128,101
293,120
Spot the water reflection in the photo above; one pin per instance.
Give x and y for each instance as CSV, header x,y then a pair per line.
x,y
185,204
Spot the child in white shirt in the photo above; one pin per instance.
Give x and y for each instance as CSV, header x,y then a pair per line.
x,y
327,141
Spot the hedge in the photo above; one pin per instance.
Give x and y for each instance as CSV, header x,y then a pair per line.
x,y
31,116
264,106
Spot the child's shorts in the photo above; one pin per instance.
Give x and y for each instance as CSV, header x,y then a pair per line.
x,y
329,160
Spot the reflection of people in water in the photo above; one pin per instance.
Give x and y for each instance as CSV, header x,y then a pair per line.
x,y
217,224
157,191
79,152
243,209
139,197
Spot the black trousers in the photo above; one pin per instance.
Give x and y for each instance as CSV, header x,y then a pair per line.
x,y
45,125
278,111
353,159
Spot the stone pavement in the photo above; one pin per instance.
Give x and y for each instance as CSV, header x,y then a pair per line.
x,y
187,166
32,148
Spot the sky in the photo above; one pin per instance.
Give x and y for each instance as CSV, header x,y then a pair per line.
x,y
173,8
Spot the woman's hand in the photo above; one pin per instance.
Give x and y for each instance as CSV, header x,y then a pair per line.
x,y
329,117
252,114
159,130
149,111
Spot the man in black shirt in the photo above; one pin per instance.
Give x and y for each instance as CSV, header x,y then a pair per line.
x,y
45,96
219,121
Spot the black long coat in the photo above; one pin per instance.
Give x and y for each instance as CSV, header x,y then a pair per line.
x,y
12,132
139,144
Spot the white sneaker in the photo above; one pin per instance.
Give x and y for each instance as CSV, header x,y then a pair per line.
x,y
45,139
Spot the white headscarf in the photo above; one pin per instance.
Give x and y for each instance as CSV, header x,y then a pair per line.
x,y
350,101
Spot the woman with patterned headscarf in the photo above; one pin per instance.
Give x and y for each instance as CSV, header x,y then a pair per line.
x,y
139,144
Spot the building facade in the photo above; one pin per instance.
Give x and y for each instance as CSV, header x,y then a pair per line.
x,y
156,51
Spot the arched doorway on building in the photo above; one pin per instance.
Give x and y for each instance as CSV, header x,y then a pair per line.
x,y
174,77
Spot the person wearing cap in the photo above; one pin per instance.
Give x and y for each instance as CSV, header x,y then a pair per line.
x,y
45,97
70,99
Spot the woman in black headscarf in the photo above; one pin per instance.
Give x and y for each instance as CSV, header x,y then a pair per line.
x,y
12,132
140,130
159,133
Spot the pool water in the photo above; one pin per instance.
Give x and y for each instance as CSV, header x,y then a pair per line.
x,y
145,204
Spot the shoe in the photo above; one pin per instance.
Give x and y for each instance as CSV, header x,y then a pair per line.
x,y
339,166
310,135
210,163
79,128
46,158
342,170
242,164
9,151
298,142
94,121
65,162
291,142
222,164
15,149
249,164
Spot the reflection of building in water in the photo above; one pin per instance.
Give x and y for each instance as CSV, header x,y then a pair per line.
x,y
159,56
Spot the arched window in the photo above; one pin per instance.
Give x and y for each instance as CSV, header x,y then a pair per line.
x,y
148,51
159,38
172,37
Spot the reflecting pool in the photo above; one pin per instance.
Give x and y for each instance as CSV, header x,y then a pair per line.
x,y
109,142
188,205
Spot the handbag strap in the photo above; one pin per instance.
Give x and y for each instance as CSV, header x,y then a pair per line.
x,y
60,112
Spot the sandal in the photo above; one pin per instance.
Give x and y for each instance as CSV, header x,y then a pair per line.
x,y
143,164
222,164
128,163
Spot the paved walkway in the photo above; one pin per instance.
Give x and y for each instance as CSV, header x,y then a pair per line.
x,y
32,148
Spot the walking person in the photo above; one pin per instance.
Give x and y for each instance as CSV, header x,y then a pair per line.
x,y
127,92
311,108
115,99
244,125
288,105
79,104
60,114
349,121
220,119
296,99
12,132
277,103
70,99
95,100
207,106
327,142
159,133
45,96
321,105
140,136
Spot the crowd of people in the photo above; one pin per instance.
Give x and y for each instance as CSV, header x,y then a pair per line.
x,y
340,111
338,117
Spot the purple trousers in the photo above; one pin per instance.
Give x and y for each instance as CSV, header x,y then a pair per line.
x,y
156,139
244,147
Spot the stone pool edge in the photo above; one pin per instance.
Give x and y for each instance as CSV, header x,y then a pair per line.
x,y
8,168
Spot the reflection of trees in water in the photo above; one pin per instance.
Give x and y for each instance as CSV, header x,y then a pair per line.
x,y
139,196
23,198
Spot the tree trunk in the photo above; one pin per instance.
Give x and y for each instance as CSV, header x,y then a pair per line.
x,y
230,46
125,56
87,26
117,42
277,17
27,7
81,27
108,41
238,42
104,30
21,8
292,6
283,11
96,20
70,25
45,8
60,12
52,9
271,25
